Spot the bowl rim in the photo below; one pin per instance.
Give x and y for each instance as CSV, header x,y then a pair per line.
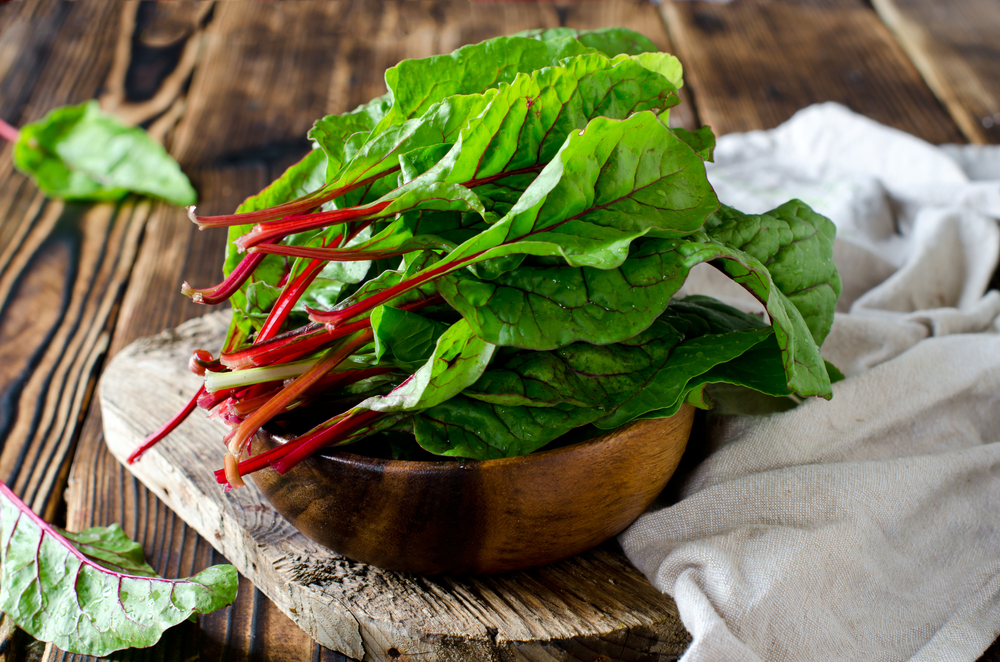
x,y
464,464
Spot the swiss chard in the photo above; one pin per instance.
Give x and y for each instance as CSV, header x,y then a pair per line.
x,y
91,592
505,231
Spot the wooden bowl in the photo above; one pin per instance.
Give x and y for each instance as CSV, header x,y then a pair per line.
x,y
461,517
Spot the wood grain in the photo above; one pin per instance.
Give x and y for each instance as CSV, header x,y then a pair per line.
x,y
752,64
585,603
956,47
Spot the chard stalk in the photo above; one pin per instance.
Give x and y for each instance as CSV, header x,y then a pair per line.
x,y
293,391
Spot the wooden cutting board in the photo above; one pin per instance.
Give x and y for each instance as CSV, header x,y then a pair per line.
x,y
595,606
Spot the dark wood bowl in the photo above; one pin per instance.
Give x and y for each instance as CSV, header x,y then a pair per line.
x,y
461,517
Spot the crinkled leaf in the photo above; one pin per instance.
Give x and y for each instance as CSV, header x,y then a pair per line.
x,y
81,153
804,367
796,245
610,41
527,121
91,592
526,400
339,136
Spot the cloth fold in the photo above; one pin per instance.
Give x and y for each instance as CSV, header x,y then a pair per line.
x,y
866,527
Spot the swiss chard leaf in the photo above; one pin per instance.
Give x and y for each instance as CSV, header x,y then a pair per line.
x,y
528,399
609,184
610,41
527,121
458,360
81,153
416,85
339,136
796,245
91,592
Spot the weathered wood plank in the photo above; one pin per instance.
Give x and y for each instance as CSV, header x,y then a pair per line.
x,y
753,64
956,47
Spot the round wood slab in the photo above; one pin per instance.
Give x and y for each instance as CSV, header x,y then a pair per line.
x,y
592,607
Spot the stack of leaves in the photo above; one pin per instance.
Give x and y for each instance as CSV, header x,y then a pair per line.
x,y
485,259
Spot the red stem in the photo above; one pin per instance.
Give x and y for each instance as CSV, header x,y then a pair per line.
x,y
333,318
286,301
297,206
291,392
274,230
166,428
7,132
225,289
306,446
327,254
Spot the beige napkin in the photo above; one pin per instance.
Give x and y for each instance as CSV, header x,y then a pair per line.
x,y
866,527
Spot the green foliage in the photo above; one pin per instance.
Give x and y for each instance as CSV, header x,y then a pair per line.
x,y
92,592
81,153
532,183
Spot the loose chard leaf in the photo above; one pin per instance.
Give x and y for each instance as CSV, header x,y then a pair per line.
x,y
81,153
91,592
532,398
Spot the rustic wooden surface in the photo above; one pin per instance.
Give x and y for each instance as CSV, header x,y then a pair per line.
x,y
957,50
231,88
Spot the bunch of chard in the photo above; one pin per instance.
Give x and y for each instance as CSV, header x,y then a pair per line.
x,y
485,259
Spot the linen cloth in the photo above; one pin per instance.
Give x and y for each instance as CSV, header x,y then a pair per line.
x,y
866,527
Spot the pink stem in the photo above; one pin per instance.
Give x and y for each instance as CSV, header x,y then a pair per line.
x,y
225,289
274,230
7,132
167,427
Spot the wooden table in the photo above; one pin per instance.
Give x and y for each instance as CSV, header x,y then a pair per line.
x,y
232,88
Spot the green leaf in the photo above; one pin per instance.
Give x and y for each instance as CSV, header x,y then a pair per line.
x,y
458,360
804,367
339,136
796,245
527,122
81,153
416,85
407,337
610,41
91,592
527,399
